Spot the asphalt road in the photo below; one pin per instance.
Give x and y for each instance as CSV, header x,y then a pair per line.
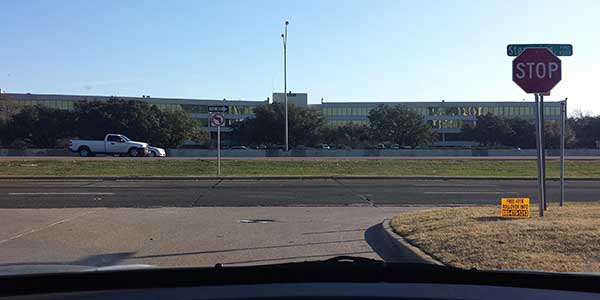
x,y
282,192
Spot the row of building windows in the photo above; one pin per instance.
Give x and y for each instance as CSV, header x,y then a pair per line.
x,y
346,111
336,123
449,123
166,106
58,104
241,110
203,109
505,111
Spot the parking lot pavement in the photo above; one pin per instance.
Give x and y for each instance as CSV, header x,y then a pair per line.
x,y
200,236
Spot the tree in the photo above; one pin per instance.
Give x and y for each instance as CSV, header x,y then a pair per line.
x,y
136,119
353,135
8,108
400,125
267,126
7,111
586,129
40,126
523,134
552,135
177,127
490,130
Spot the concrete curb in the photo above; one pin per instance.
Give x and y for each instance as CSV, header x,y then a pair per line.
x,y
280,178
403,245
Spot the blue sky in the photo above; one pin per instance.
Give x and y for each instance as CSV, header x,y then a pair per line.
x,y
338,50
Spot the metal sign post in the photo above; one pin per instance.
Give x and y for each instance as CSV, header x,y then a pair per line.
x,y
539,143
563,125
218,120
218,150
543,149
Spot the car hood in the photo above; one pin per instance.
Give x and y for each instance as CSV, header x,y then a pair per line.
x,y
139,144
343,263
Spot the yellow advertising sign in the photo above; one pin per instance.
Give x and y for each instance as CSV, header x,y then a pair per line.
x,y
515,208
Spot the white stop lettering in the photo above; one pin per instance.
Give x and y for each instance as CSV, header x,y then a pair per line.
x,y
537,70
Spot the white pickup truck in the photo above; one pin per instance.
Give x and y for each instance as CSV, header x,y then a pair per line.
x,y
112,144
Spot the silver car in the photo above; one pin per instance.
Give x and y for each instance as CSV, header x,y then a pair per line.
x,y
156,152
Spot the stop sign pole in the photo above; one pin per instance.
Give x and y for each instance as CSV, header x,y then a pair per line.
x,y
537,70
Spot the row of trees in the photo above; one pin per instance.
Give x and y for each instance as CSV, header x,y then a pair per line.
x,y
403,126
582,131
394,124
491,130
43,127
586,129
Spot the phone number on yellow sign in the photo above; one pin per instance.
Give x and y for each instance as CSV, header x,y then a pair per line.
x,y
515,208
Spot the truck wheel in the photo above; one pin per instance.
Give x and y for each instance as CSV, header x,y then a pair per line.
x,y
134,152
84,152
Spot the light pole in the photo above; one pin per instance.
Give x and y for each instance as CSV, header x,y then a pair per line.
x,y
284,37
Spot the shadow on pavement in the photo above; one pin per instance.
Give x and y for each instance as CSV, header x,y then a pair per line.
x,y
99,260
104,259
333,231
245,249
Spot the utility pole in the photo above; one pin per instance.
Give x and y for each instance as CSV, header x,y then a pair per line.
x,y
284,37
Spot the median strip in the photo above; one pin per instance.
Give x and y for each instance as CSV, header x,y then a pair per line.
x,y
59,193
199,168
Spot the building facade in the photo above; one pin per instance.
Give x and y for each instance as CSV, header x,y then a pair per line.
x,y
446,118
298,99
198,108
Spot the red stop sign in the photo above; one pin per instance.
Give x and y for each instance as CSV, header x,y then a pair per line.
x,y
536,70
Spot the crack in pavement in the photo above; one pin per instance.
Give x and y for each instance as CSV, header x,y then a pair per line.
x,y
216,184
208,191
34,230
361,196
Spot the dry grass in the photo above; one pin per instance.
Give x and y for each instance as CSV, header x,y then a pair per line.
x,y
567,239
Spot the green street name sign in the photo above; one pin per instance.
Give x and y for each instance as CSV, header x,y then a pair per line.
x,y
557,49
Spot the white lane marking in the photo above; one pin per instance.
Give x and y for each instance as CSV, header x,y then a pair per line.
x,y
458,193
61,193
455,185
47,226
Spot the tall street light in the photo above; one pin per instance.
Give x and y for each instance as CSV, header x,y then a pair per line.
x,y
284,38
